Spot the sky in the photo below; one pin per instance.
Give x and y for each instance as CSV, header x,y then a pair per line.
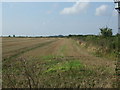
x,y
57,18
0,18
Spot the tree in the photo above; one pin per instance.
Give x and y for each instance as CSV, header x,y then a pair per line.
x,y
117,34
106,32
13,35
70,35
9,36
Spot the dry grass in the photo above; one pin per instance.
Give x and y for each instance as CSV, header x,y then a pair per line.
x,y
57,63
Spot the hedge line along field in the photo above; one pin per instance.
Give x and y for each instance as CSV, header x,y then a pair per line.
x,y
53,63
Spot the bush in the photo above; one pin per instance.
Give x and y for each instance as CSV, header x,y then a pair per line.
x,y
106,32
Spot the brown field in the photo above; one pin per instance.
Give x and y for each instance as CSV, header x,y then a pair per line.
x,y
53,62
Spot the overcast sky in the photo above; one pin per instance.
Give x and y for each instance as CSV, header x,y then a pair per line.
x,y
55,18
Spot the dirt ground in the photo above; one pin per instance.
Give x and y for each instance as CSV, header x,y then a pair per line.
x,y
61,49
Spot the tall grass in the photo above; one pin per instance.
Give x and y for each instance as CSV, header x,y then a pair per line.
x,y
105,46
108,47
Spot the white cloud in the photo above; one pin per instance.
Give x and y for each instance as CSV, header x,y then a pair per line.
x,y
101,10
78,7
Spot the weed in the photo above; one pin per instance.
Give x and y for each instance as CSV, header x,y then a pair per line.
x,y
66,66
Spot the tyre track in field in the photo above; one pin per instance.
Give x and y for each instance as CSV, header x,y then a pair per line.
x,y
24,50
51,49
10,47
104,67
74,50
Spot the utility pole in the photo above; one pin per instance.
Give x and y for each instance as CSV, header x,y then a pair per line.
x,y
117,2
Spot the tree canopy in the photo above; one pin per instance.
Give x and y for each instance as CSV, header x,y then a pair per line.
x,y
106,32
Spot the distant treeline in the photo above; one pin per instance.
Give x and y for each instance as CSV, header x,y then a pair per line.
x,y
54,36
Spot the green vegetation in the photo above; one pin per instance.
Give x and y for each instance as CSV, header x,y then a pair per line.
x,y
105,45
106,32
52,72
66,66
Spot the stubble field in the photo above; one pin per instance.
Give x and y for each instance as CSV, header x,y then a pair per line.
x,y
53,63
